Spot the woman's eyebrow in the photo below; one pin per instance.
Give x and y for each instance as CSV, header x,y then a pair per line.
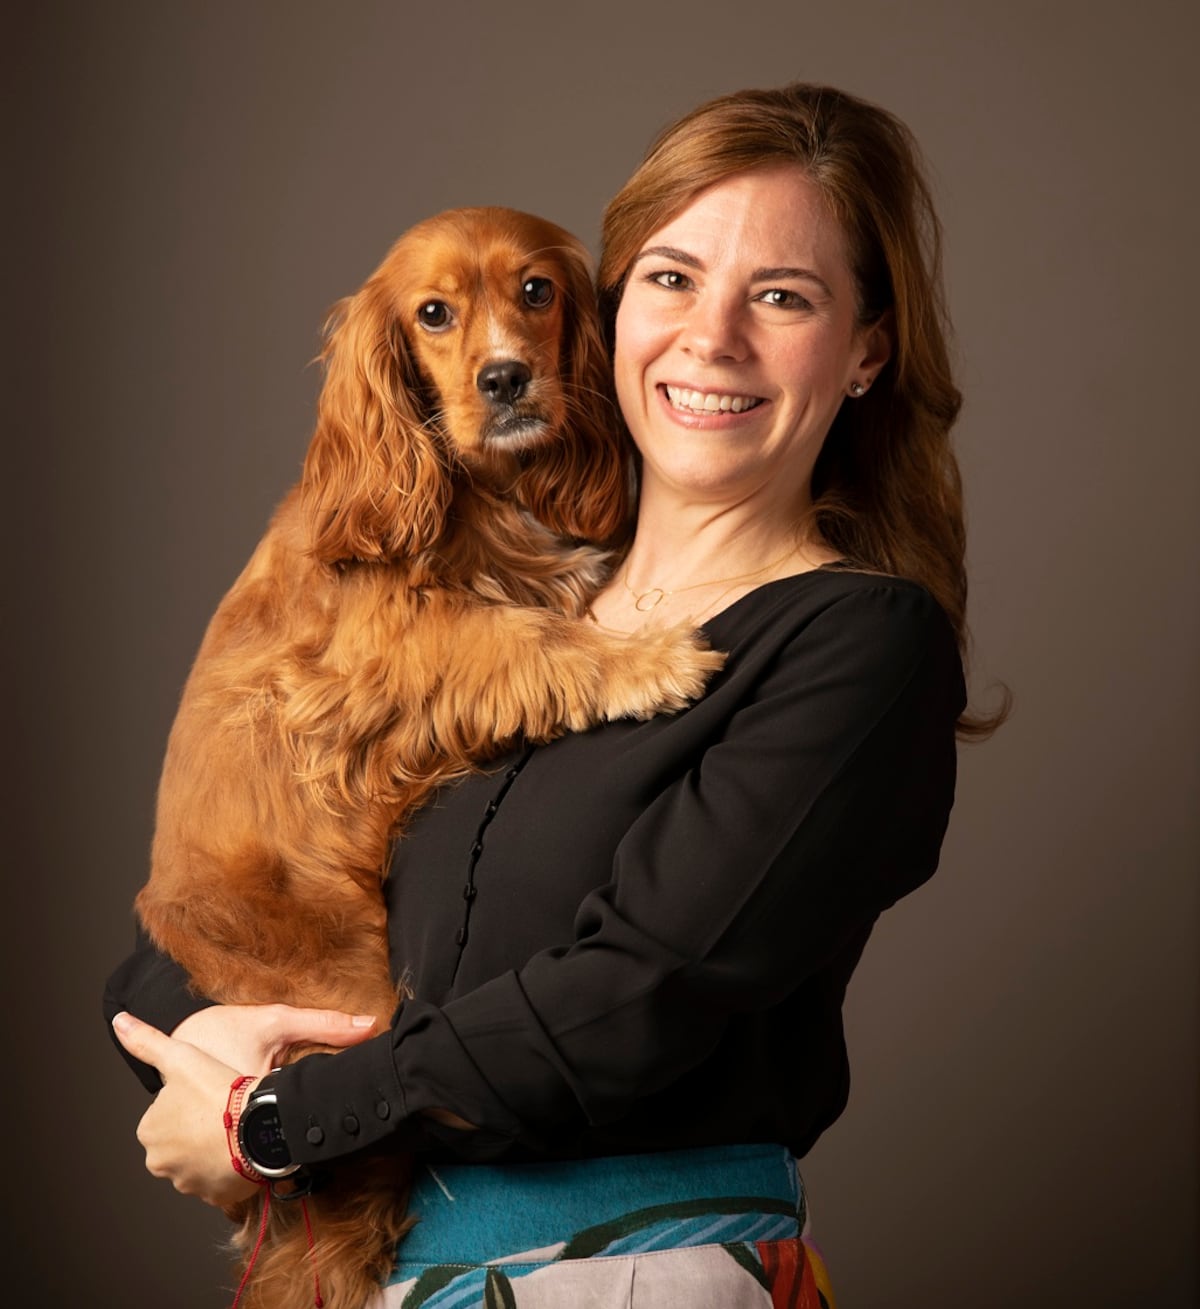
x,y
669,252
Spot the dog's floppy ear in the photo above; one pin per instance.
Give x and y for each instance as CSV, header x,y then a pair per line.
x,y
375,484
581,484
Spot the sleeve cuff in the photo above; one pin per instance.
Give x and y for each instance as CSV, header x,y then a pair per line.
x,y
333,1105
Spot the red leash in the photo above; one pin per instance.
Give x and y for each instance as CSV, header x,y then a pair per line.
x,y
262,1231
243,1167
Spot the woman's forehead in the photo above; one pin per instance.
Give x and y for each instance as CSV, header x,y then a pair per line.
x,y
770,217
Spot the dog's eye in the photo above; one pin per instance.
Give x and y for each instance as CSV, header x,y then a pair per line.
x,y
538,291
435,316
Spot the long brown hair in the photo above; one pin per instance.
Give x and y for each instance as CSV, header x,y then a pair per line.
x,y
886,490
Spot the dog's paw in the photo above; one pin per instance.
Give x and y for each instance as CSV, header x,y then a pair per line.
x,y
660,671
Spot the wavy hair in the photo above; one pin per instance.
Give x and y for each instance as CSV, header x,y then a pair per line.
x,y
886,489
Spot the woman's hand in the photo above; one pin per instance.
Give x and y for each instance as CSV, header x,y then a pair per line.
x,y
183,1131
257,1037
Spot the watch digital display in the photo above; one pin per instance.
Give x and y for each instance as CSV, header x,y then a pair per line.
x,y
260,1133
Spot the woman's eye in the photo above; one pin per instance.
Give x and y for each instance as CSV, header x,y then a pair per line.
x,y
784,299
538,292
435,316
673,281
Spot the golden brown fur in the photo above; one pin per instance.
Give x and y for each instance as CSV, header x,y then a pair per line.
x,y
403,619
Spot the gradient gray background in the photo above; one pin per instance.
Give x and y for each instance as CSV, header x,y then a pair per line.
x,y
197,183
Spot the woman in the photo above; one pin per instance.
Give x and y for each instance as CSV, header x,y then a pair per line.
x,y
629,949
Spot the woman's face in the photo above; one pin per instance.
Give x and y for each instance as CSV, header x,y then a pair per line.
x,y
737,340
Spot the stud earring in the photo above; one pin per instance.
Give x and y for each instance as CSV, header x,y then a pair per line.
x,y
857,389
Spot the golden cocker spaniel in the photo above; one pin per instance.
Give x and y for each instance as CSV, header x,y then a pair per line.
x,y
417,605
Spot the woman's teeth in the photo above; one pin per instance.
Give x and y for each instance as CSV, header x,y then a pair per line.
x,y
709,402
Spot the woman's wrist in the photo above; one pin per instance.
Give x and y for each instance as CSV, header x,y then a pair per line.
x,y
261,1140
239,1092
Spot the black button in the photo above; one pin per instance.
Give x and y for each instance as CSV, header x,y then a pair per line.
x,y
477,849
350,1123
383,1109
492,807
470,892
513,774
314,1136
461,936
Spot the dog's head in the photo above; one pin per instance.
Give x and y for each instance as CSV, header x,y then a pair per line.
x,y
473,349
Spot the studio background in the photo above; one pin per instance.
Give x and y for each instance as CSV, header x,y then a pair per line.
x,y
194,184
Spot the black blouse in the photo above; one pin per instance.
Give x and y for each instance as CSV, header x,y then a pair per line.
x,y
639,937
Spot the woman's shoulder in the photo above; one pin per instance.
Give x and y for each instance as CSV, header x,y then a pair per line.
x,y
834,598
839,634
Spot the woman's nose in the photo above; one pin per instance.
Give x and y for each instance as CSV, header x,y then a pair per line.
x,y
713,330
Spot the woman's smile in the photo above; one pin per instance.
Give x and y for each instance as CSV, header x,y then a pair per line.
x,y
693,403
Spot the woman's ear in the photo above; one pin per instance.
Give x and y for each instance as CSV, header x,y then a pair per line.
x,y
375,484
877,341
581,485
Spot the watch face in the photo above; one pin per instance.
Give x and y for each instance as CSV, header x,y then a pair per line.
x,y
262,1139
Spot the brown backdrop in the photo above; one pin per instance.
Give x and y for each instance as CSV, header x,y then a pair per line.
x,y
195,183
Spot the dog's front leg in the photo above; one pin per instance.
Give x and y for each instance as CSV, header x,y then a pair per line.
x,y
510,672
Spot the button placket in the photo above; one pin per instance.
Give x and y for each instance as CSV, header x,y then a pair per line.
x,y
470,890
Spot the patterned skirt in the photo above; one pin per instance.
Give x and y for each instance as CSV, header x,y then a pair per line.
x,y
724,1227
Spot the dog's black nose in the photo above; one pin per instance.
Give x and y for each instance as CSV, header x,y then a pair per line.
x,y
504,383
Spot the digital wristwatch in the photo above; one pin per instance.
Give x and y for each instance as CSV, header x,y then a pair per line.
x,y
260,1135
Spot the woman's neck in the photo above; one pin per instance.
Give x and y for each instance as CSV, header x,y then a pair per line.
x,y
690,562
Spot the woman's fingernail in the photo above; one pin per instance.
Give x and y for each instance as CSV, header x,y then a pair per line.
x,y
122,1022
363,1020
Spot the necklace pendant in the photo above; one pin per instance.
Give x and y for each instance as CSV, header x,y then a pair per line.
x,y
649,599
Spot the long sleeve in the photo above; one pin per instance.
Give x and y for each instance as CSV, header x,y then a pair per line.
x,y
820,780
154,988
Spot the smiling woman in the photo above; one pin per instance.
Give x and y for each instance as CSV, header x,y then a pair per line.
x,y
627,950
884,492
737,338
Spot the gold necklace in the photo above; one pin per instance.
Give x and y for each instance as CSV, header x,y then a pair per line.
x,y
644,601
